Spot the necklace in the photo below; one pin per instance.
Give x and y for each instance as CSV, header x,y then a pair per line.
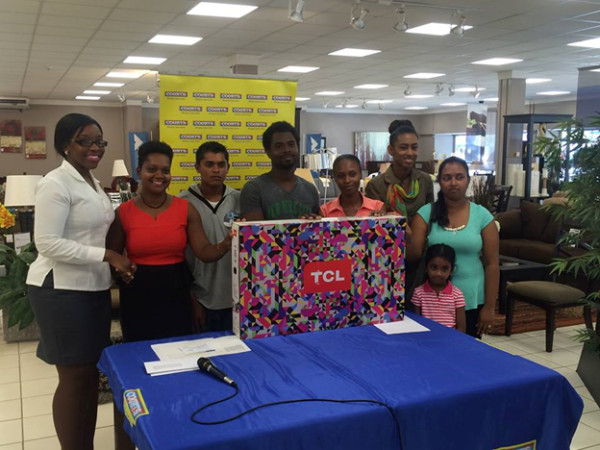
x,y
152,206
455,230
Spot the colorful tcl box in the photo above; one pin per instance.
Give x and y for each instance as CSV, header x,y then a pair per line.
x,y
299,276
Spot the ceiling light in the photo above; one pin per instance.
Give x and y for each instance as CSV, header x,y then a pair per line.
x,y
453,104
103,84
588,43
221,10
416,108
149,98
94,92
491,99
358,22
379,101
476,93
144,60
364,104
419,96
435,29
459,29
425,75
174,40
86,97
329,93
497,61
407,91
297,69
296,14
401,25
469,89
302,99
130,74
351,106
344,103
121,97
537,80
553,93
439,88
325,103
450,90
356,52
371,86
380,106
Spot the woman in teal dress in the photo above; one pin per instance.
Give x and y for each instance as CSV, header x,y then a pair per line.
x,y
470,229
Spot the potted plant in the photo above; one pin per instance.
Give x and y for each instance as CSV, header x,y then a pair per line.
x,y
583,208
17,315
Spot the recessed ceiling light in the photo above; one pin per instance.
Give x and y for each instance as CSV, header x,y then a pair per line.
x,y
453,104
130,74
351,106
371,86
416,108
103,84
537,80
94,92
297,69
356,52
330,93
175,40
588,43
221,10
491,99
379,101
469,89
86,97
435,29
302,99
418,96
144,60
497,61
553,93
424,75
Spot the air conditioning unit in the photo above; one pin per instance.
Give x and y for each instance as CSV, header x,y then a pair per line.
x,y
14,103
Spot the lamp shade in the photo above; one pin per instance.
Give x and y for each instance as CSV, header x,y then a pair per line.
x,y
20,190
119,169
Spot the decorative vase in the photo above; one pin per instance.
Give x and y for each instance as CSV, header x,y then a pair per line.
x,y
589,371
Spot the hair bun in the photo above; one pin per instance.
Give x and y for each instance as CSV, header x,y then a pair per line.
x,y
404,123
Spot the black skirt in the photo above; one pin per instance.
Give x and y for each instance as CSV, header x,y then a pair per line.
x,y
74,325
156,304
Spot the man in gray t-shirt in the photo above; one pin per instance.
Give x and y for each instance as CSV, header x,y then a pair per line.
x,y
279,193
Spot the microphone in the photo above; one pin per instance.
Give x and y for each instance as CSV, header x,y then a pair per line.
x,y
207,366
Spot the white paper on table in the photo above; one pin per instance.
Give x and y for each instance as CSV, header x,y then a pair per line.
x,y
401,326
182,356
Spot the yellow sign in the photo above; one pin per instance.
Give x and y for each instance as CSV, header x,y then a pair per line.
x,y
232,111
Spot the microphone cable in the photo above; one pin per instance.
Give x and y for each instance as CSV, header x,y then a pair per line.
x,y
285,402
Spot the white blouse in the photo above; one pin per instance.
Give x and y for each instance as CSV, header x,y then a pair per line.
x,y
71,223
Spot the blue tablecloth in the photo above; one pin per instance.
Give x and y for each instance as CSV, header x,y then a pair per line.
x,y
448,390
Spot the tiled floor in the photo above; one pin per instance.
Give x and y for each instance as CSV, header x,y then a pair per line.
x,y
27,384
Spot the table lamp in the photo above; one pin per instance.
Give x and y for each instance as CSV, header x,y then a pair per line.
x,y
121,175
20,194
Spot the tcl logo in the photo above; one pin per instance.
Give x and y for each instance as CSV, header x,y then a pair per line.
x,y
325,276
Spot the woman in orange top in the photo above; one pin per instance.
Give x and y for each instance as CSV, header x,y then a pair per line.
x,y
347,175
155,228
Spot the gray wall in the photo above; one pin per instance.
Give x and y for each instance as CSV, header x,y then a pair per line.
x,y
109,118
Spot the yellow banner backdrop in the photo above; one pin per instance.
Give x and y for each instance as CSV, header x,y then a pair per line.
x,y
232,111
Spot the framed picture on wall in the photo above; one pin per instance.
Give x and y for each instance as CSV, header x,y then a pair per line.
x,y
371,146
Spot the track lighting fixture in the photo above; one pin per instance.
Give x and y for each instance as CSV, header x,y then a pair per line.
x,y
439,88
401,25
157,80
407,91
459,29
380,106
121,97
344,103
296,13
358,21
149,98
325,103
476,93
364,104
450,90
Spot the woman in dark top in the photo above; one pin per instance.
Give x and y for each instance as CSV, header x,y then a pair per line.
x,y
401,187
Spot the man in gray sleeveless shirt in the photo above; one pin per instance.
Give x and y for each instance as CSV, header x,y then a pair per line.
x,y
280,194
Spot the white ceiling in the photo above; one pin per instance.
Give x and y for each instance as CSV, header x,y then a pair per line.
x,y
55,49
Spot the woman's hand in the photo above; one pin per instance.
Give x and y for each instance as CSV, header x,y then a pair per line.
x,y
486,318
122,265
310,216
